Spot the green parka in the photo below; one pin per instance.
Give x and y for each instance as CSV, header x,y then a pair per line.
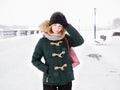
x,y
57,66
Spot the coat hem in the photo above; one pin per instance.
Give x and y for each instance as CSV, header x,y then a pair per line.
x,y
57,83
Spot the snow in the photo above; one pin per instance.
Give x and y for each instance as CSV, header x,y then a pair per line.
x,y
99,67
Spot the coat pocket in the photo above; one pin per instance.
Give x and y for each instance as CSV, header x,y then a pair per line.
x,y
53,77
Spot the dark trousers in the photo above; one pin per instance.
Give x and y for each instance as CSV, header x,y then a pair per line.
x,y
67,86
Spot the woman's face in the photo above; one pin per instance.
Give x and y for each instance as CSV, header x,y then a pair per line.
x,y
56,28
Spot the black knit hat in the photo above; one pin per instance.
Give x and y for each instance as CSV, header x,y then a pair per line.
x,y
58,17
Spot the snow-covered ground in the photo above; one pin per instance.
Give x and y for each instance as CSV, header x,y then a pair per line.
x,y
99,68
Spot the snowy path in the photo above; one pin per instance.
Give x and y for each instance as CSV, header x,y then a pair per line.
x,y
17,72
97,74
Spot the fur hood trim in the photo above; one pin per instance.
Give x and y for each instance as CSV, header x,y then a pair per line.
x,y
44,26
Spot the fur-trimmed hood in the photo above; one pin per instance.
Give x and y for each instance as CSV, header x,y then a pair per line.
x,y
44,26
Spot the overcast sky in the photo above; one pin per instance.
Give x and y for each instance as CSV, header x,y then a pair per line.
x,y
33,12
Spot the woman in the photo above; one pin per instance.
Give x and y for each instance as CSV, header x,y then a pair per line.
x,y
57,68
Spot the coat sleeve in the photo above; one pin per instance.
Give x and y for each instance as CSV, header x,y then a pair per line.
x,y
74,37
36,58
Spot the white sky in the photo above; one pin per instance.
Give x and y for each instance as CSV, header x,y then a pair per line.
x,y
32,12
